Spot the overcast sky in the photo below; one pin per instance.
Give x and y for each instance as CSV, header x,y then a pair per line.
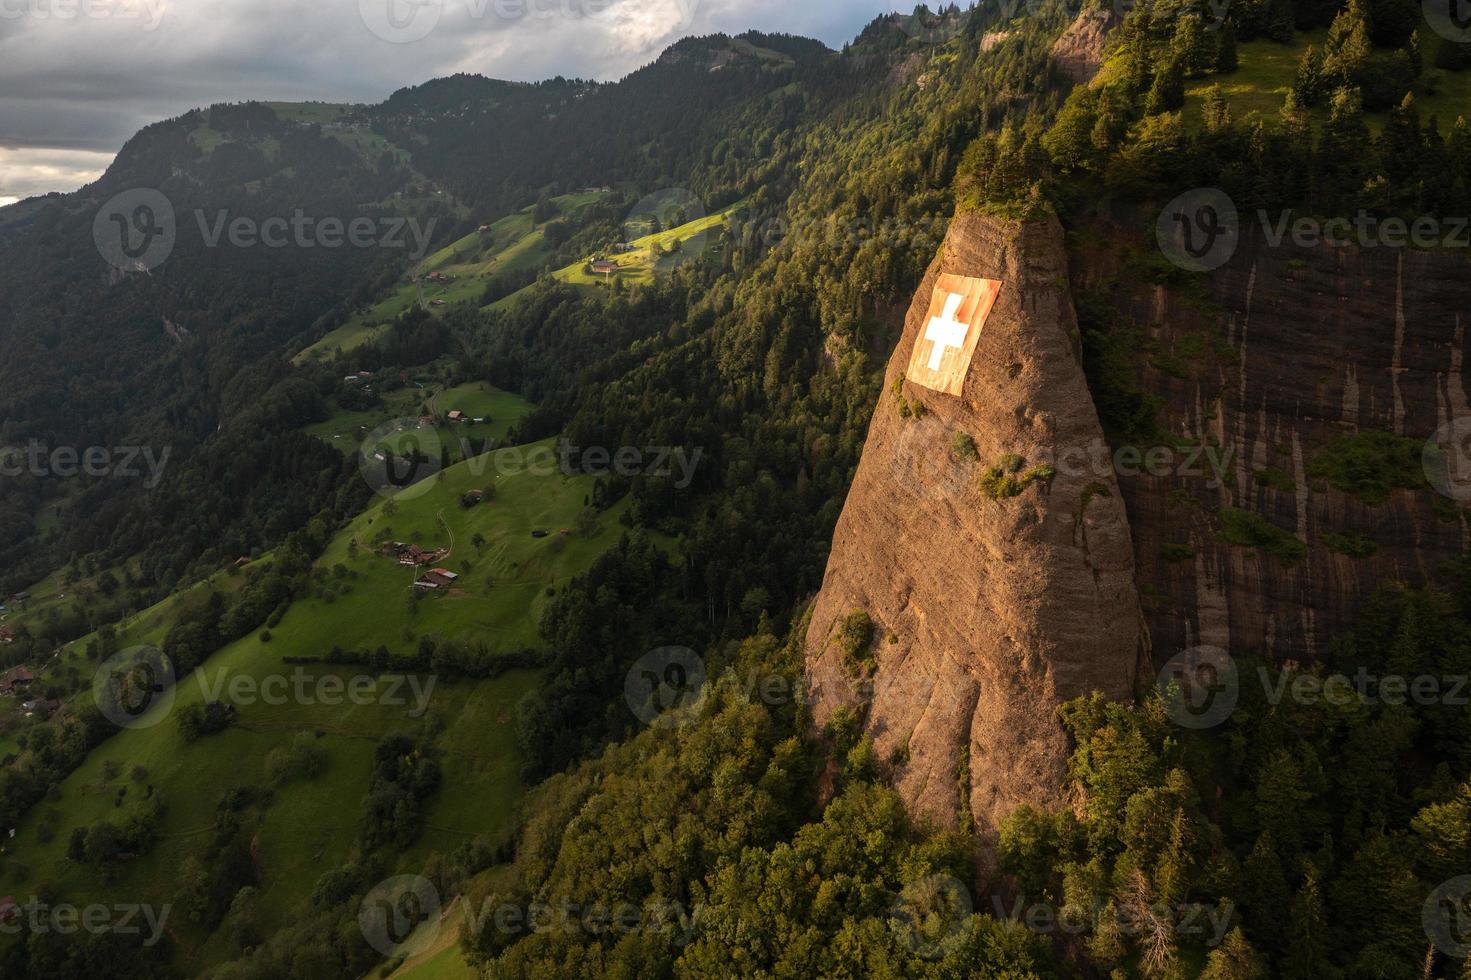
x,y
78,77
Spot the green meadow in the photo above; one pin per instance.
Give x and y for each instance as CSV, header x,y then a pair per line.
x,y
1269,70
511,244
360,599
346,429
652,254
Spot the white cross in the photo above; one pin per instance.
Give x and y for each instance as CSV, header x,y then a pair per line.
x,y
944,331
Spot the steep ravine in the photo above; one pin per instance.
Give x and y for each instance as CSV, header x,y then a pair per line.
x,y
987,609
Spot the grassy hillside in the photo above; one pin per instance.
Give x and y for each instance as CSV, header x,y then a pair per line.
x,y
511,244
1269,69
501,410
362,600
650,255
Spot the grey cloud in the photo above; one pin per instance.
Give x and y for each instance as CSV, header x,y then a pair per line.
x,y
87,84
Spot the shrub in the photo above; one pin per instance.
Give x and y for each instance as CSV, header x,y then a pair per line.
x,y
1005,479
1353,545
1174,551
855,637
303,758
1241,527
1370,465
963,447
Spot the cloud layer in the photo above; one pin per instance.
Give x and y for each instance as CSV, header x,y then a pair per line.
x,y
78,77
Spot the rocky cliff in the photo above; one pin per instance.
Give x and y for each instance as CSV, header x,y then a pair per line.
x,y
1323,382
1286,435
975,580
1077,54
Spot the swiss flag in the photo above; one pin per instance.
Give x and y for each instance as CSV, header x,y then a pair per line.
x,y
952,328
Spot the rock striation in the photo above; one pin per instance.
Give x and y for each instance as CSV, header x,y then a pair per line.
x,y
1322,381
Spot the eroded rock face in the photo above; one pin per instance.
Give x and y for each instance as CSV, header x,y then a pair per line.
x,y
1078,54
1270,362
987,612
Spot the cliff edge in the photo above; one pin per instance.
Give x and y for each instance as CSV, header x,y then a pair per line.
x,y
982,571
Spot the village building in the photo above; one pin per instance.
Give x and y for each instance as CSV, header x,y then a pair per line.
x,y
47,707
605,267
15,680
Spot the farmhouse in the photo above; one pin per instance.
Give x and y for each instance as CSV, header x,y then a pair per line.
x,y
436,578
414,555
605,267
6,636
15,679
456,415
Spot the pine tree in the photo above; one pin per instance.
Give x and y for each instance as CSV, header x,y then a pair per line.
x,y
1309,85
1265,893
1307,950
1349,50
1189,46
1401,153
1217,111
1281,22
1167,93
1234,960
1341,164
1226,56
